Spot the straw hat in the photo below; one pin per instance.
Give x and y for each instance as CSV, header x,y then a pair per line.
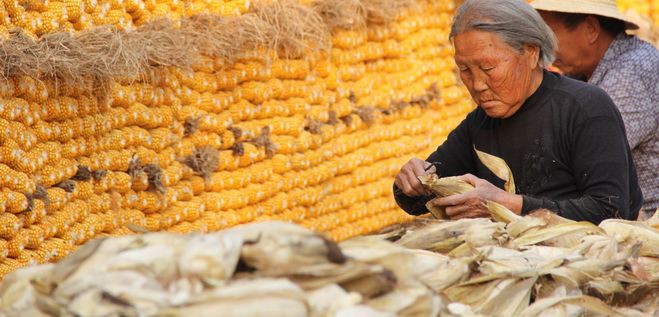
x,y
606,8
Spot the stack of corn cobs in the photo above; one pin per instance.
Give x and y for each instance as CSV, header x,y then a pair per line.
x,y
537,265
215,142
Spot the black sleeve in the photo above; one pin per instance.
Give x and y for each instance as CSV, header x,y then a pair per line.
x,y
454,157
601,170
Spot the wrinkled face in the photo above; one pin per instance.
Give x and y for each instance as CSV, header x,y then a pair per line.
x,y
498,77
571,52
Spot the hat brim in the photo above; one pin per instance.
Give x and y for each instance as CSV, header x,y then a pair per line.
x,y
584,7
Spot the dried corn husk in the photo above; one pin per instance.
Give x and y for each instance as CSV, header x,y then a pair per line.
x,y
279,248
632,232
436,270
454,268
653,221
414,299
499,167
19,291
589,303
486,298
442,236
443,187
259,297
561,235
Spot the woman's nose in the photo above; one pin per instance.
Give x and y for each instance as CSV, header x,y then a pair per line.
x,y
480,84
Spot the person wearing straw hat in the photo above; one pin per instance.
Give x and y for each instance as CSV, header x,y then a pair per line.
x,y
593,46
562,139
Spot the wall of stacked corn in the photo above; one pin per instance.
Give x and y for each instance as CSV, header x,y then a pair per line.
x,y
648,8
645,13
315,140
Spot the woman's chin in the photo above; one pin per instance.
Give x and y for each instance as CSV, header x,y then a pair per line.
x,y
494,112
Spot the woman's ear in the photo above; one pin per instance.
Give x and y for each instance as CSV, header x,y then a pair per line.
x,y
531,55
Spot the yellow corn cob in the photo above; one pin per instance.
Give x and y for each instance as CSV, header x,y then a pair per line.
x,y
16,244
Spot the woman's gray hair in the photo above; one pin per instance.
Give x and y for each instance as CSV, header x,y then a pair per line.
x,y
515,21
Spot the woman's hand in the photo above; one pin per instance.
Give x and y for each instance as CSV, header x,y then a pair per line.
x,y
473,204
407,179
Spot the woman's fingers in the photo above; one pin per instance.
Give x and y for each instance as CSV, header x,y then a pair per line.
x,y
455,212
453,200
416,183
407,179
422,167
409,187
469,178
404,182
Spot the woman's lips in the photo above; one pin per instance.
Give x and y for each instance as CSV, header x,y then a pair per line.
x,y
487,104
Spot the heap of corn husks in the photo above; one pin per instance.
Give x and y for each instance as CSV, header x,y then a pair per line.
x,y
537,265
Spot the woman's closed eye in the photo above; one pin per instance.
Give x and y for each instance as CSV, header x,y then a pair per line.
x,y
487,69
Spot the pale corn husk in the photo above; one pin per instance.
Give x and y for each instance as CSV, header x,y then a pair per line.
x,y
645,268
469,267
478,236
486,298
441,237
211,259
359,311
373,284
561,235
622,288
329,300
516,297
576,273
278,248
598,246
459,309
437,271
653,221
450,273
259,297
540,253
403,261
632,232
588,303
523,224
501,213
499,167
448,186
321,275
19,291
562,308
443,187
538,219
503,260
410,300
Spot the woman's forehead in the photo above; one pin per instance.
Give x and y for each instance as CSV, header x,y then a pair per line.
x,y
476,45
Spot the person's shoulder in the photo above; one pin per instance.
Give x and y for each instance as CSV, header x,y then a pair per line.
x,y
581,97
633,73
637,58
574,90
639,50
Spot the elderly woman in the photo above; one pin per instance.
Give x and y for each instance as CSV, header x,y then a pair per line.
x,y
563,139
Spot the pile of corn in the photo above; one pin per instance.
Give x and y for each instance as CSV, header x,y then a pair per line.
x,y
645,13
314,140
40,17
538,265
643,7
648,8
